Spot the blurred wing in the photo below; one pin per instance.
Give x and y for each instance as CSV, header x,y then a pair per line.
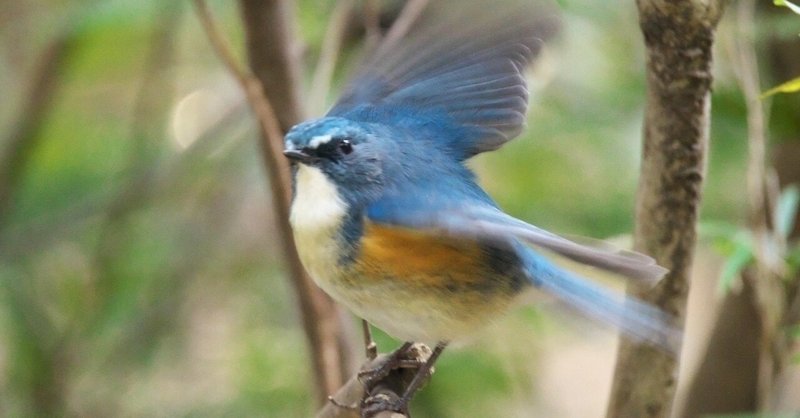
x,y
459,71
484,221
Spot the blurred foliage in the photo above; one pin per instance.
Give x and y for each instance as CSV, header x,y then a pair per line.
x,y
138,270
737,243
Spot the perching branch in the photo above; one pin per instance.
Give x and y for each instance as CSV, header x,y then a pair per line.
x,y
275,72
347,401
678,36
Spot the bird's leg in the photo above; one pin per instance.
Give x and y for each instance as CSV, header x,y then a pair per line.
x,y
420,378
373,405
370,348
393,361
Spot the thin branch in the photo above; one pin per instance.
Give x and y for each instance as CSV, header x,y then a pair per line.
x,y
319,314
371,11
220,46
331,45
347,401
411,12
767,285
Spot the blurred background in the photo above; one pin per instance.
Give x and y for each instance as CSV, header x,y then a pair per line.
x,y
139,270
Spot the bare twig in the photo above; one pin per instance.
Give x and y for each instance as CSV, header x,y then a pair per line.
x,y
331,45
678,36
319,314
346,403
768,292
372,22
370,348
411,12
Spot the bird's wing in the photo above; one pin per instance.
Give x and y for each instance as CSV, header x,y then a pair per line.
x,y
459,73
478,219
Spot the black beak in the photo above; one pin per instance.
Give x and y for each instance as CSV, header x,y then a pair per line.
x,y
298,156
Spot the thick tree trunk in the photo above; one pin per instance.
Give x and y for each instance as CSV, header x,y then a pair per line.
x,y
678,36
738,334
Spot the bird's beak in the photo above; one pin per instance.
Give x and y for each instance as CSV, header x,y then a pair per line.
x,y
298,156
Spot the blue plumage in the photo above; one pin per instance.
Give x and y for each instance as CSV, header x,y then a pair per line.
x,y
390,221
460,75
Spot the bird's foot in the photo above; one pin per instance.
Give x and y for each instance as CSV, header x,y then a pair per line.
x,y
383,402
415,367
405,357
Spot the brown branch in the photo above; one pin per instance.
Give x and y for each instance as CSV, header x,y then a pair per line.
x,y
274,55
410,13
678,37
371,11
766,283
267,32
331,45
346,403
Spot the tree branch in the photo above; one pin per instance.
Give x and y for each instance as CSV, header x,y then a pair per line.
x,y
410,13
331,45
347,401
273,55
678,37
268,39
768,290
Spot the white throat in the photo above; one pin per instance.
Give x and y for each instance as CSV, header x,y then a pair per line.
x,y
316,216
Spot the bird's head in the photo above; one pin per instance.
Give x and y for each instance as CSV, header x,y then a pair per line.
x,y
347,153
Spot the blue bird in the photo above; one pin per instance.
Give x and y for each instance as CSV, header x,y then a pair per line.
x,y
390,222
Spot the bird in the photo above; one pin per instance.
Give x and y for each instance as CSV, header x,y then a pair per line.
x,y
389,220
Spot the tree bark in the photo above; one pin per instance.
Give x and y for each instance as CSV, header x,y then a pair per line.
x,y
274,55
678,36
739,325
273,58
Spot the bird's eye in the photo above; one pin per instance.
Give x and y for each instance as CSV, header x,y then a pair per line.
x,y
345,146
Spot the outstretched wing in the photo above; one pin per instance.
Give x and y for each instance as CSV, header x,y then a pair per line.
x,y
459,71
483,221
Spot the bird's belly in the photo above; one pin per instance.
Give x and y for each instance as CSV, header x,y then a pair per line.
x,y
423,288
419,313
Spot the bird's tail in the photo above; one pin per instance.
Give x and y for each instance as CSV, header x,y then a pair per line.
x,y
636,319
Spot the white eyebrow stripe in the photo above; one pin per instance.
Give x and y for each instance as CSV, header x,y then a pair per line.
x,y
319,140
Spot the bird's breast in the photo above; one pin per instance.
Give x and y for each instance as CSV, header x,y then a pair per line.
x,y
317,214
413,284
420,286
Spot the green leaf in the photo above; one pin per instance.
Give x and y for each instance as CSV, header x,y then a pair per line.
x,y
790,86
786,212
718,230
784,3
741,256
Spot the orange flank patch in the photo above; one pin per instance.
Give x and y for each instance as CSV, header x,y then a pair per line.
x,y
401,253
